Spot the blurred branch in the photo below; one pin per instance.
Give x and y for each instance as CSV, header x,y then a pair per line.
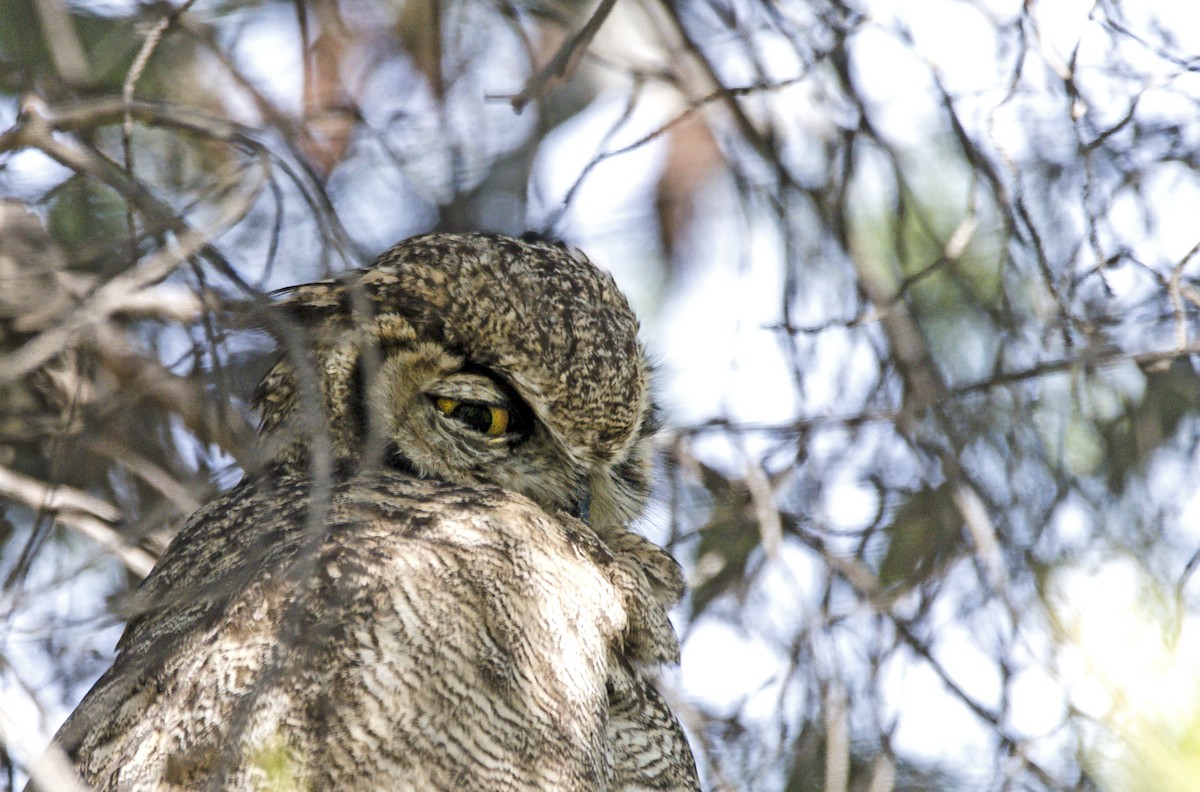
x,y
694,106
126,290
862,579
54,771
565,60
1087,359
59,499
86,515
149,379
90,113
154,475
883,772
762,497
853,571
62,41
121,294
983,533
37,119
153,38
138,67
765,145
994,720
837,738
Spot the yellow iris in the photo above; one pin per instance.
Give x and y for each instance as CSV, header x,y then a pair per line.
x,y
488,419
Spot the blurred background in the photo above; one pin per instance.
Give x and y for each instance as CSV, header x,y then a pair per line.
x,y
921,281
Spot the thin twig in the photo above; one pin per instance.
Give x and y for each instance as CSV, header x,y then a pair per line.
x,y
136,69
90,113
565,59
1088,358
693,107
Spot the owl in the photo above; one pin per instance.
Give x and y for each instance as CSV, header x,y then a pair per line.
x,y
429,582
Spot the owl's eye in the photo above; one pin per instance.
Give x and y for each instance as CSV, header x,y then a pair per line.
x,y
489,419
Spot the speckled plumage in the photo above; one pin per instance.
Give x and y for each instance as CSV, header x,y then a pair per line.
x,y
399,600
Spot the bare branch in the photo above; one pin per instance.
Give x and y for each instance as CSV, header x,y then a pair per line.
x,y
62,41
82,513
565,59
837,738
124,291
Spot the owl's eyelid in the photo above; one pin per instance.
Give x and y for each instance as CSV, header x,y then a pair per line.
x,y
503,404
474,387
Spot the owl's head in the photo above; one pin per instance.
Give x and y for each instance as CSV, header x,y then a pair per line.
x,y
472,359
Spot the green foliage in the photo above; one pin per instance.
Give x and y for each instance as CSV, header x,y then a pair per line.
x,y
86,218
728,539
1171,395
865,769
923,537
107,45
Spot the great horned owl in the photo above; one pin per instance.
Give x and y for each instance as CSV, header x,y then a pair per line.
x,y
431,584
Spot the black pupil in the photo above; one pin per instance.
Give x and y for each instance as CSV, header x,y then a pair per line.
x,y
475,416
